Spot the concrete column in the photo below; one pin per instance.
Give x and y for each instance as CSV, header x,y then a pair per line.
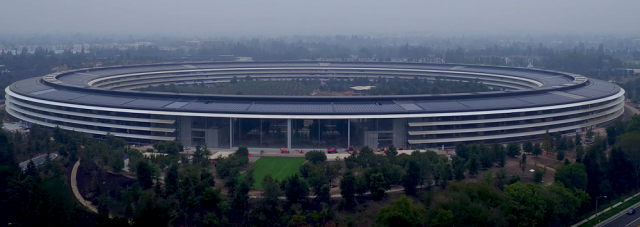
x,y
185,131
289,134
348,133
230,133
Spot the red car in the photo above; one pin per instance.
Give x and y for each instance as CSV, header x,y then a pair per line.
x,y
331,150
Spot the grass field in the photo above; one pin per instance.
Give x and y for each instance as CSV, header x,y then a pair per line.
x,y
279,168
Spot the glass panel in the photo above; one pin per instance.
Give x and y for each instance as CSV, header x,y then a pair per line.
x,y
214,131
267,133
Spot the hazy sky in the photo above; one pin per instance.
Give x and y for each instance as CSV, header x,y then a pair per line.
x,y
322,17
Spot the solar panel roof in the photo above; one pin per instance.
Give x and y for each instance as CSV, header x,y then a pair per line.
x,y
309,105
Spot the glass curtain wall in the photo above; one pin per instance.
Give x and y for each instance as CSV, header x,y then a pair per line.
x,y
267,133
375,133
212,131
319,134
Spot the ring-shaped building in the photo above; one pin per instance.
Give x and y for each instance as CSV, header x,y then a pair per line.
x,y
523,105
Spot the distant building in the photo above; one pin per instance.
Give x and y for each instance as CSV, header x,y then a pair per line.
x,y
244,59
361,89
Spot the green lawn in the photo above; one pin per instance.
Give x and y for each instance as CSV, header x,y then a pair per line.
x,y
279,168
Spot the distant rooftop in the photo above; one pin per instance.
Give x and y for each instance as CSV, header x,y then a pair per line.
x,y
362,88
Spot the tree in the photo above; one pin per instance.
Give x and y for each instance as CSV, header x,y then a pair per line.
x,y
590,134
153,213
563,203
201,156
412,177
634,124
578,140
157,187
392,152
324,194
527,147
242,151
144,173
401,213
523,162
295,188
618,173
501,178
572,176
249,178
546,142
378,186
473,165
579,153
444,218
611,135
62,150
240,200
462,150
171,180
271,191
348,188
487,177
539,174
527,206
103,212
211,198
498,151
458,167
537,150
560,155
628,143
513,149
315,157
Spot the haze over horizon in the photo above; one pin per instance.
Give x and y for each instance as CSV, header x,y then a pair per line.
x,y
280,17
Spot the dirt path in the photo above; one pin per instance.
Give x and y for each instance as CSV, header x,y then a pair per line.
x,y
76,192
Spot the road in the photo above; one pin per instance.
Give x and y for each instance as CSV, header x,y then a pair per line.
x,y
625,220
39,160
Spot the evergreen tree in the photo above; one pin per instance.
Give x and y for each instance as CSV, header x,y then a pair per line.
x,y
527,147
618,172
523,162
171,180
537,150
144,173
546,142
249,178
572,176
560,155
473,165
348,188
378,186
459,167
513,149
103,212
158,187
579,153
324,195
412,177
295,188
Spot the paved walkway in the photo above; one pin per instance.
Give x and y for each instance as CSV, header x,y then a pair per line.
x,y
631,108
76,192
337,195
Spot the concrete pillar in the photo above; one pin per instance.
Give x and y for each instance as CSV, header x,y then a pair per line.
x,y
230,133
289,134
185,131
348,133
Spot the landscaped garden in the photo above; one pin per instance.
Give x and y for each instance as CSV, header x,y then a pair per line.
x,y
278,167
